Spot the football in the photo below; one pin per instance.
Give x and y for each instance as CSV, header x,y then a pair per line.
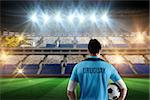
x,y
113,91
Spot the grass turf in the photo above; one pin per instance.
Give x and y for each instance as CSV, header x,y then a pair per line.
x,y
55,88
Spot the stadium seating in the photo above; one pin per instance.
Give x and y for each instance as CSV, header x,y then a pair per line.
x,y
12,59
50,45
142,68
33,59
123,69
51,69
66,46
119,45
30,68
7,69
10,63
66,40
73,59
138,45
148,57
52,64
115,59
135,59
118,42
82,45
82,42
53,59
69,68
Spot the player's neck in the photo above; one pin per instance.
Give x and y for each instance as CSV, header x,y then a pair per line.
x,y
93,54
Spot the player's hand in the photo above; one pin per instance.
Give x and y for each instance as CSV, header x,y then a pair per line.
x,y
121,98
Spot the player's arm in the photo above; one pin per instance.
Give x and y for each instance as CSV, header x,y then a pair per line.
x,y
118,80
123,88
71,90
72,84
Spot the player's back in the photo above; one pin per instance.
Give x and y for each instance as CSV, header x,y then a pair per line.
x,y
93,76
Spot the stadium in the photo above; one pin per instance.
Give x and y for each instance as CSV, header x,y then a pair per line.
x,y
42,41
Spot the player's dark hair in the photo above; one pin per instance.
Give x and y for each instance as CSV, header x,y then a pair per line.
x,y
94,46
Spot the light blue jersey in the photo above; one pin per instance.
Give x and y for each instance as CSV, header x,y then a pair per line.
x,y
93,75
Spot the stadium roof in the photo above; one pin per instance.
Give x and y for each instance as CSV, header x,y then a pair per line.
x,y
14,13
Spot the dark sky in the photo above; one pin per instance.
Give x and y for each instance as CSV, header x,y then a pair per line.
x,y
14,13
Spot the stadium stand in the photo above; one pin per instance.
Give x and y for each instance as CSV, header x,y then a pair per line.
x,y
119,63
30,68
10,63
135,58
115,59
31,64
53,59
148,57
33,41
136,41
50,45
51,65
7,69
142,68
51,69
49,42
66,42
66,45
69,68
138,63
124,69
103,40
71,61
33,59
82,42
13,59
118,42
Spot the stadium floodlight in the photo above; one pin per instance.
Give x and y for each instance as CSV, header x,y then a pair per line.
x,y
81,18
58,18
105,18
20,71
93,18
45,18
34,18
71,17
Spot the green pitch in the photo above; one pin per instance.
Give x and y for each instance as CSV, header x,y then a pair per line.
x,y
55,88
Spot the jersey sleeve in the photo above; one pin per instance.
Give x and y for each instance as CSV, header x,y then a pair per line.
x,y
114,75
74,76
121,84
